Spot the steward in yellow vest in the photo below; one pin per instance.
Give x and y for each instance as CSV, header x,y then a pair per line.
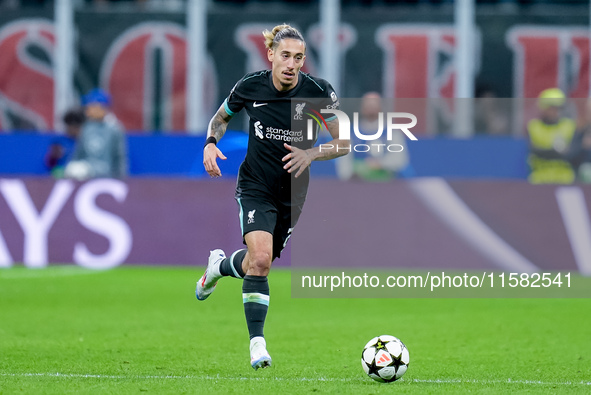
x,y
550,137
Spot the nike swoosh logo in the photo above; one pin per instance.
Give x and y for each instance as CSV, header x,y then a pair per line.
x,y
255,104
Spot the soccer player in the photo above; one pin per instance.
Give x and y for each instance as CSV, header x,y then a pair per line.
x,y
273,179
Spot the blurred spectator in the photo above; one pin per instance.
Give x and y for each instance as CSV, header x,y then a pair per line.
x,y
580,148
61,148
377,164
491,113
100,150
550,137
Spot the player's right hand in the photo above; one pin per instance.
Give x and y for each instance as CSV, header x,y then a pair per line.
x,y
210,154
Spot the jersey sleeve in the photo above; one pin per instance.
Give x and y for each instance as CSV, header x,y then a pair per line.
x,y
234,102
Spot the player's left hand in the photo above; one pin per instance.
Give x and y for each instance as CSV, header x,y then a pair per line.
x,y
297,160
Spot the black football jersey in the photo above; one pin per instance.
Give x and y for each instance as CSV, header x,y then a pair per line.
x,y
276,118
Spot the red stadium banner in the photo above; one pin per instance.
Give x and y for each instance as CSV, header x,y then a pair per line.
x,y
26,81
141,58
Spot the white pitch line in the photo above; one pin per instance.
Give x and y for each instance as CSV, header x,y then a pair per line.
x,y
318,379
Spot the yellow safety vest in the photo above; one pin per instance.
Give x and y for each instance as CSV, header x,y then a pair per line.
x,y
545,136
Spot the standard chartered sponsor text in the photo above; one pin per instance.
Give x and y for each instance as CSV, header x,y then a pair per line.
x,y
294,136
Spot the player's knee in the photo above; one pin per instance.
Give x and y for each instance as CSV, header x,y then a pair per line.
x,y
259,263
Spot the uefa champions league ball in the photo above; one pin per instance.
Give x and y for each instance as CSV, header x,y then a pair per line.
x,y
385,359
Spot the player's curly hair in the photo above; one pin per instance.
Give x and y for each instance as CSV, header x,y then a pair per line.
x,y
280,32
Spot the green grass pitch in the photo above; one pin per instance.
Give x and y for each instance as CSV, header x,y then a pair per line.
x,y
136,330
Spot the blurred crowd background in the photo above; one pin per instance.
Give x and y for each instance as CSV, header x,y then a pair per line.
x,y
17,3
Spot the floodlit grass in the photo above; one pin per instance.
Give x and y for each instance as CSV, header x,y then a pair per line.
x,y
130,330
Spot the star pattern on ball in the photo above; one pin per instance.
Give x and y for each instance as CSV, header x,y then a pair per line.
x,y
397,361
373,368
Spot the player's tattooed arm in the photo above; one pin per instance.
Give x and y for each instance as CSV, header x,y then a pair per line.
x,y
217,128
298,160
218,124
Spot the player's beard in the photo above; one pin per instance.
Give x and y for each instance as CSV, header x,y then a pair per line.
x,y
288,78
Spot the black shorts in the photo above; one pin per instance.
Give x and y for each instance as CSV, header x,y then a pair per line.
x,y
266,214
